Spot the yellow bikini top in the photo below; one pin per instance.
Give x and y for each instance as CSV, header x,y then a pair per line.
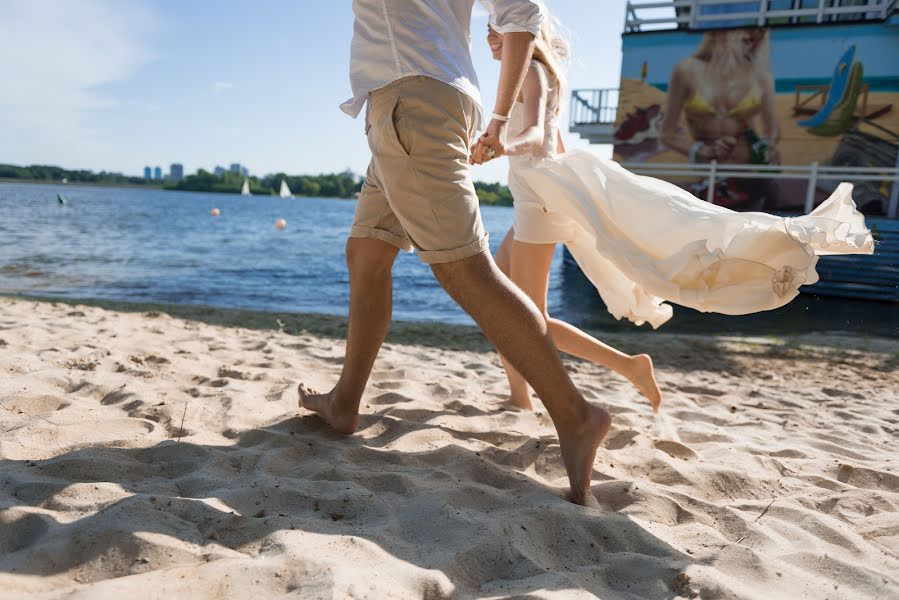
x,y
698,106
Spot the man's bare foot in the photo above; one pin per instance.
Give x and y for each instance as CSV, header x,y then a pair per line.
x,y
579,450
644,379
324,406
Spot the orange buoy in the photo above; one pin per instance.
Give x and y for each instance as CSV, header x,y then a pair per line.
x,y
216,212
280,223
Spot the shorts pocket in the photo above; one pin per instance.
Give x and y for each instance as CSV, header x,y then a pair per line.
x,y
402,129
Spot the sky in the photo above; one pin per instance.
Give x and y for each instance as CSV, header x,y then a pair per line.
x,y
119,84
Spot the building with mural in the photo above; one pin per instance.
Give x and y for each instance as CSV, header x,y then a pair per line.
x,y
762,105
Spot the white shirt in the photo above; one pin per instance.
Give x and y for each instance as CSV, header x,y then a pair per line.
x,y
398,38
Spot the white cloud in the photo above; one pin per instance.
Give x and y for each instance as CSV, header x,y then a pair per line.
x,y
221,86
55,56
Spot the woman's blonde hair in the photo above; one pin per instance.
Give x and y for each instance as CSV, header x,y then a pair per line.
x,y
724,51
553,50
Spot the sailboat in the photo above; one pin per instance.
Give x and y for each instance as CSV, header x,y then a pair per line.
x,y
285,190
245,190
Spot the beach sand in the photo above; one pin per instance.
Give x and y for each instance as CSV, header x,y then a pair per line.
x,y
155,455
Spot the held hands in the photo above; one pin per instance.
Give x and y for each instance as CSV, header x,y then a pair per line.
x,y
492,144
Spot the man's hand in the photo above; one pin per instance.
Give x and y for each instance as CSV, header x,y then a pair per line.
x,y
494,138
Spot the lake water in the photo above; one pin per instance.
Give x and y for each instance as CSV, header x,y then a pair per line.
x,y
157,246
161,246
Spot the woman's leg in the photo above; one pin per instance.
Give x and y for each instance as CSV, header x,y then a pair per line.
x,y
637,369
529,269
519,396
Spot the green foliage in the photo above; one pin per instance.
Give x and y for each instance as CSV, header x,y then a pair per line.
x,y
50,173
330,185
493,194
326,185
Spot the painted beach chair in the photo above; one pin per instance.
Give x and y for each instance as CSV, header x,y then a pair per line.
x,y
838,113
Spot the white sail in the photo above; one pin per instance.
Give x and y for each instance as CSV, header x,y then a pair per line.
x,y
285,190
245,190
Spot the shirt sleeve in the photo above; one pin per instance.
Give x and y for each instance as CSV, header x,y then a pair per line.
x,y
510,16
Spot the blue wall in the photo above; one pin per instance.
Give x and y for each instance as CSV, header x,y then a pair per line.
x,y
805,54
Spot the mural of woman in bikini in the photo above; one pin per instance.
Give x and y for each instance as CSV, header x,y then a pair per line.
x,y
725,91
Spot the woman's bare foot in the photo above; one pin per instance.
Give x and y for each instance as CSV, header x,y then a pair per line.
x,y
643,377
579,451
324,405
517,403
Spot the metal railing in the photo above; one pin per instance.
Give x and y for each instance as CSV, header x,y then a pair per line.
x,y
812,173
594,107
599,107
643,15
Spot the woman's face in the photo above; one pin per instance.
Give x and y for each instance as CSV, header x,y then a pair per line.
x,y
495,41
746,45
750,42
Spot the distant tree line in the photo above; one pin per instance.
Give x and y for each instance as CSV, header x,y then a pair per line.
x,y
494,194
50,173
326,185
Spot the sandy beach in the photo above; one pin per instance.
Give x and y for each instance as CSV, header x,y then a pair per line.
x,y
150,453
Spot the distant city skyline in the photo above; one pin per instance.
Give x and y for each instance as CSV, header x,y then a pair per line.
x,y
105,85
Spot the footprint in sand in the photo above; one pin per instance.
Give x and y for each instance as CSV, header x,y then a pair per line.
x,y
675,449
701,390
234,374
81,386
275,394
22,533
620,439
37,404
157,360
388,385
115,397
390,398
833,393
216,383
867,478
295,346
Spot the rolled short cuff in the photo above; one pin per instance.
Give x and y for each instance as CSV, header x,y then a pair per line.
x,y
432,257
358,231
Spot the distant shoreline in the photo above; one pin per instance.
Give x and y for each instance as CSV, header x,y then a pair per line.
x,y
154,188
130,186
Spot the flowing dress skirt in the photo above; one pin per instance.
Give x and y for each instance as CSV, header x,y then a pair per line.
x,y
642,241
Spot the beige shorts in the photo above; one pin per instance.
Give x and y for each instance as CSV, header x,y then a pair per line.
x,y
418,191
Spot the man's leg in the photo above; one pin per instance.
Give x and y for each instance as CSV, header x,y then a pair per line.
x,y
370,262
511,321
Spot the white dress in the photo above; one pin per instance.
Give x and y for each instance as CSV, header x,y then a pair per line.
x,y
642,241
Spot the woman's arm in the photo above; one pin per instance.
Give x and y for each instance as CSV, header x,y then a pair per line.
x,y
560,145
770,125
678,91
534,93
518,47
